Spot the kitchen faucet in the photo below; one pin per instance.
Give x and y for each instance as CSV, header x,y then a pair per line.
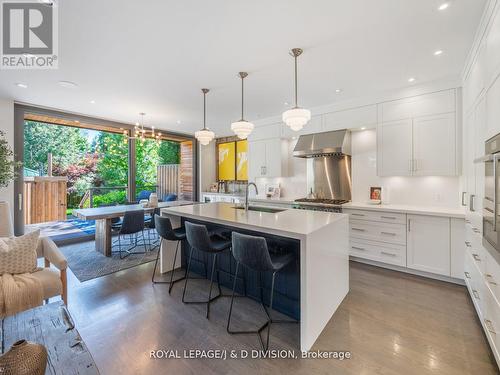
x,y
246,193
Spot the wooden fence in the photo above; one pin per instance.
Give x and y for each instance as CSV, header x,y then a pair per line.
x,y
168,180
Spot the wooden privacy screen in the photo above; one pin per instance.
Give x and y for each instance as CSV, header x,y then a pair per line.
x,y
168,180
186,171
45,199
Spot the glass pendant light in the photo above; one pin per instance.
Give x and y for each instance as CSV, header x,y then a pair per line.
x,y
296,117
205,135
242,128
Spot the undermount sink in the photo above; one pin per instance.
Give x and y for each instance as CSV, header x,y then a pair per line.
x,y
261,209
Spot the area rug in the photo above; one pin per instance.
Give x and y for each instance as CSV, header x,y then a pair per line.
x,y
87,263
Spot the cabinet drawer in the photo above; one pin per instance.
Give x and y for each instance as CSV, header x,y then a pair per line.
x,y
386,253
491,322
380,216
391,233
492,275
475,283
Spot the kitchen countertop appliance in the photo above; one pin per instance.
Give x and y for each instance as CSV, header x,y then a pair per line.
x,y
329,180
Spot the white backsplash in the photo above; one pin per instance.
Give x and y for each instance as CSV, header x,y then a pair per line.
x,y
422,191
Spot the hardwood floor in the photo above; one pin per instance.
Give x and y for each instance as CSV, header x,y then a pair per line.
x,y
391,323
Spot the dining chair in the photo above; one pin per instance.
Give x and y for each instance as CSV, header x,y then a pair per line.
x,y
132,226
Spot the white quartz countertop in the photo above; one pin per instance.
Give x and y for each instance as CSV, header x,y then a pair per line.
x,y
236,194
456,212
288,223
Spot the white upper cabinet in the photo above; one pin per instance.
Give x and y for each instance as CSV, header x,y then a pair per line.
x,y
315,125
493,109
351,118
434,145
256,159
418,136
428,244
493,49
267,158
265,132
418,106
394,148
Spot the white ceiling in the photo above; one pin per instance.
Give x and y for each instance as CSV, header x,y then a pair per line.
x,y
156,55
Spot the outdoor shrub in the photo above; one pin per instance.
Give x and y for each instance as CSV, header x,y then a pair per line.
x,y
113,197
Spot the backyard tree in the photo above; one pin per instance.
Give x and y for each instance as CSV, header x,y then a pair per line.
x,y
67,145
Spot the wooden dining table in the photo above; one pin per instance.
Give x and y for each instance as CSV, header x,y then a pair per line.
x,y
104,215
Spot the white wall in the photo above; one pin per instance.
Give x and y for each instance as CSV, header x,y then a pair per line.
x,y
207,168
7,126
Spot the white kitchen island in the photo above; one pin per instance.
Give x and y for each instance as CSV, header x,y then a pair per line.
x,y
324,249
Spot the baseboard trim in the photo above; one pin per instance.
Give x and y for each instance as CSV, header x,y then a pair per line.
x,y
409,271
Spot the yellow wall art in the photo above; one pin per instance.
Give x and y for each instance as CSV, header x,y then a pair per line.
x,y
227,161
242,160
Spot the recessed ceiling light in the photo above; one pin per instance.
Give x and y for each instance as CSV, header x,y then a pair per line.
x,y
363,128
444,6
92,102
68,84
77,122
411,80
438,52
285,103
338,91
178,122
22,85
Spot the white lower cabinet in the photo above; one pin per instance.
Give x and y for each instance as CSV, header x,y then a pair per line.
x,y
428,246
482,277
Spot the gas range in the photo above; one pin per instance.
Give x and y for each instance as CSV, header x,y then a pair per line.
x,y
328,205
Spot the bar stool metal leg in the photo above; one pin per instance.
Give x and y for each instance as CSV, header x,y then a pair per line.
x,y
172,281
210,298
256,332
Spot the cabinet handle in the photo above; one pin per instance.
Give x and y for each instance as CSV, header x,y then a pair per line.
x,y
388,233
491,281
467,221
475,230
358,248
471,203
358,229
467,243
463,199
489,326
353,214
476,294
409,225
467,274
388,217
476,257
389,254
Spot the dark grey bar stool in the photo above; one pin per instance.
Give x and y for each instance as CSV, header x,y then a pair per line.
x,y
252,252
200,240
163,226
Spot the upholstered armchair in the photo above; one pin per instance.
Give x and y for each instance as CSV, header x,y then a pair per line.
x,y
54,281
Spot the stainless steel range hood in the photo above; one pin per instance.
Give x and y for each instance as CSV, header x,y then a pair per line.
x,y
323,144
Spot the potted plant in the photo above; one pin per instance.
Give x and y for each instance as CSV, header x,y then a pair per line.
x,y
8,171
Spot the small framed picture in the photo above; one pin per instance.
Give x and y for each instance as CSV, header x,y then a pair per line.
x,y
376,194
